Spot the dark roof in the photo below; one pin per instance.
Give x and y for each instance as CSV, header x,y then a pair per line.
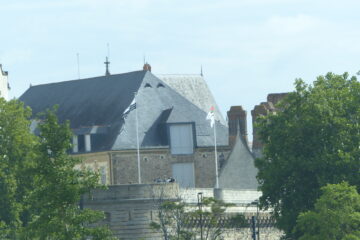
x,y
96,105
87,102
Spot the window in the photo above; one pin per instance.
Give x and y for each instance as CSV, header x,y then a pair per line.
x,y
184,174
81,143
181,138
160,85
147,85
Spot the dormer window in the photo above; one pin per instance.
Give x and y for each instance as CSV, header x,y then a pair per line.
x,y
182,138
160,85
147,85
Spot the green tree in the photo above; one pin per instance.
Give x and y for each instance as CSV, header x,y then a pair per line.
x,y
312,141
177,221
16,158
54,202
211,213
336,215
172,220
40,190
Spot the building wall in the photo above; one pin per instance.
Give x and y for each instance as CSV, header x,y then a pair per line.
x,y
129,210
95,162
121,166
3,84
157,163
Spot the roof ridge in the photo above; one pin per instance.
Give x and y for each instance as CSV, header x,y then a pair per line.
x,y
178,74
82,79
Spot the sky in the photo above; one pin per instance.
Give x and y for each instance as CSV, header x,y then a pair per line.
x,y
247,48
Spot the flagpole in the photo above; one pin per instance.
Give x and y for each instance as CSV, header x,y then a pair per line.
x,y
216,158
137,141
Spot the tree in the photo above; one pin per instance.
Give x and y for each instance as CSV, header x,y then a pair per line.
x,y
312,141
211,213
40,189
54,203
16,158
336,215
172,220
177,221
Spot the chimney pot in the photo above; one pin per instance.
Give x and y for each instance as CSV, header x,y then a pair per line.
x,y
147,67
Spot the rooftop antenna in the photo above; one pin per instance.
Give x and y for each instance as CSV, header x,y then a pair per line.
x,y
144,58
201,71
78,64
107,72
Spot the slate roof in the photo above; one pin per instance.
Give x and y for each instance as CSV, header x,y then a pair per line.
x,y
239,171
96,105
195,89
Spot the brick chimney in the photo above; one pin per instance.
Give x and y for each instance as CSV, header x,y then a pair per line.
x,y
237,118
147,67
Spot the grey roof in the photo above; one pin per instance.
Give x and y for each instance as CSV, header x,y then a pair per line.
x,y
239,171
158,105
194,88
96,105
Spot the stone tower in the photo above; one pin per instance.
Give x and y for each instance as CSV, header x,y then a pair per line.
x,y
4,85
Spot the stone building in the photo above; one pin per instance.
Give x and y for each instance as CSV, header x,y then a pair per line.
x,y
175,138
263,109
4,84
129,209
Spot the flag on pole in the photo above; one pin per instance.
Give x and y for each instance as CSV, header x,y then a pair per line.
x,y
131,107
211,117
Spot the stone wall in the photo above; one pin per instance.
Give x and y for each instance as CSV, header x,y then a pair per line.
x,y
98,162
120,167
189,195
157,163
129,209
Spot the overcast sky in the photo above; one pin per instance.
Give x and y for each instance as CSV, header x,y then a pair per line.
x,y
248,48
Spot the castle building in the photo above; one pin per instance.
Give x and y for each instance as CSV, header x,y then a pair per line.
x,y
169,120
4,84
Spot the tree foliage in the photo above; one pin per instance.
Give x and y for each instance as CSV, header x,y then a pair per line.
x,y
40,189
16,158
177,221
336,215
312,141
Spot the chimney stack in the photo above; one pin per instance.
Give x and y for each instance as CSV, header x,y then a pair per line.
x,y
237,118
147,67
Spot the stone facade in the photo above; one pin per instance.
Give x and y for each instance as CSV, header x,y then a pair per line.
x,y
99,162
121,166
129,209
4,85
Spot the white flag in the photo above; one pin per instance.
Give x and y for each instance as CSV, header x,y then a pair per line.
x,y
211,117
129,108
